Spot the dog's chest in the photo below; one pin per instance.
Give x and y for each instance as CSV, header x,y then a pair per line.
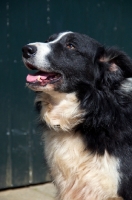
x,y
60,110
77,173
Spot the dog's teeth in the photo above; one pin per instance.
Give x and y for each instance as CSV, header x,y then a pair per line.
x,y
39,79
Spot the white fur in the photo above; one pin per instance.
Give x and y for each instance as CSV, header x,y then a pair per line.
x,y
59,37
60,110
127,85
78,173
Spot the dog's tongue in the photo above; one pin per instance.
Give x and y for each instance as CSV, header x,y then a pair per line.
x,y
38,77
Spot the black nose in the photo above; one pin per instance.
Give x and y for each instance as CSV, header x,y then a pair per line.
x,y
29,50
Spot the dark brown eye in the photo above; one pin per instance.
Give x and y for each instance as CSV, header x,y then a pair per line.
x,y
70,46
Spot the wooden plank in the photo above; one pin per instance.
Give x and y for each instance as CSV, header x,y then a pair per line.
x,y
25,162
40,172
41,192
5,159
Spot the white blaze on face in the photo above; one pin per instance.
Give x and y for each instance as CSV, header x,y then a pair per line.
x,y
59,37
43,49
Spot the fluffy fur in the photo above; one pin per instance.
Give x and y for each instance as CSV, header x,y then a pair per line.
x,y
84,94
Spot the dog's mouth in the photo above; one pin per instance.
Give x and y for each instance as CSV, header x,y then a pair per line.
x,y
41,78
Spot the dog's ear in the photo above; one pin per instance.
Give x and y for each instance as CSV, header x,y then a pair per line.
x,y
115,61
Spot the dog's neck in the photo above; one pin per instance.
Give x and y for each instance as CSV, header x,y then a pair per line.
x,y
61,111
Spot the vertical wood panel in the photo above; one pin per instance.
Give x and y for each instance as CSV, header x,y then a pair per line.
x,y
20,156
5,166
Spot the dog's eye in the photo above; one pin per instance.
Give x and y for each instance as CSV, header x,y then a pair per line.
x,y
70,46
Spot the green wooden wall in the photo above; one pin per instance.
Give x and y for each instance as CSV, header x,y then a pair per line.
x,y
21,22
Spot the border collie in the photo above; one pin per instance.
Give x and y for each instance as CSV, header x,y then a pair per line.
x,y
84,94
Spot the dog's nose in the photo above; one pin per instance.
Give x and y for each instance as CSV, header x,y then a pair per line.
x,y
29,50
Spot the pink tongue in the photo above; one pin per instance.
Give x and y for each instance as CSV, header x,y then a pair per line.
x,y
33,78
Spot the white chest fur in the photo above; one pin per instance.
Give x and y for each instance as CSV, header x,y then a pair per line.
x,y
77,173
60,110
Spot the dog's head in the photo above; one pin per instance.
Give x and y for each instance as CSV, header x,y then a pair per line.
x,y
93,82
68,61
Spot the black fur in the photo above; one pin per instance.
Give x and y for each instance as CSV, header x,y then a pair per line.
x,y
96,74
108,122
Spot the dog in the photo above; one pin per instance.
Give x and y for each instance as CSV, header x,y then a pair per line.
x,y
84,95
